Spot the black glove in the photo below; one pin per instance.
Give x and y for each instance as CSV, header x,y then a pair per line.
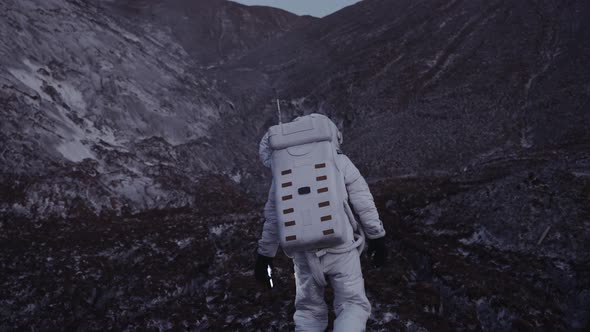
x,y
377,251
261,270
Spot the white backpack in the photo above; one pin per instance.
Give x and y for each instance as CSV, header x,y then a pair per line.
x,y
310,193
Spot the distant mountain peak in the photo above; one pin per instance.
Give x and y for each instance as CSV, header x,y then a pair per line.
x,y
214,31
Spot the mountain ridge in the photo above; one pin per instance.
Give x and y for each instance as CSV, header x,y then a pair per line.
x,y
213,31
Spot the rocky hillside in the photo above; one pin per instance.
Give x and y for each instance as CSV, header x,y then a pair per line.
x,y
212,31
437,86
106,110
192,270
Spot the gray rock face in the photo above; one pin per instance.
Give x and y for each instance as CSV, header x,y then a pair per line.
x,y
105,105
101,112
439,85
213,31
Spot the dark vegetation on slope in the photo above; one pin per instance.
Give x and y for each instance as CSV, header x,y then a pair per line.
x,y
456,261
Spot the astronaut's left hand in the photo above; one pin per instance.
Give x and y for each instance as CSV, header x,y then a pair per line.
x,y
377,253
261,270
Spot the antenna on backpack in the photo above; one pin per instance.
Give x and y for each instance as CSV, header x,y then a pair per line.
x,y
279,109
278,106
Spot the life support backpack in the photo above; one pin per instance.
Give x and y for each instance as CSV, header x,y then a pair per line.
x,y
310,193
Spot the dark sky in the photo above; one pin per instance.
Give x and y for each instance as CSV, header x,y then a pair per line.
x,y
318,8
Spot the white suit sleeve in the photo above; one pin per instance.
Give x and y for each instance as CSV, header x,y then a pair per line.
x,y
362,201
269,241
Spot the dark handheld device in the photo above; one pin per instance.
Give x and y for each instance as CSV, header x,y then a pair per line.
x,y
269,274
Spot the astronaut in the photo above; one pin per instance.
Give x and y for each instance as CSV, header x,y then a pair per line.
x,y
339,266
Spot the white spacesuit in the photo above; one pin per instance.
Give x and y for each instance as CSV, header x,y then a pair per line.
x,y
340,267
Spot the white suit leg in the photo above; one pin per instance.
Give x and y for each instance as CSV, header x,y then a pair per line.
x,y
351,305
311,311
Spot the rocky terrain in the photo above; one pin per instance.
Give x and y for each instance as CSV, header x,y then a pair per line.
x,y
212,31
192,270
107,112
131,190
448,83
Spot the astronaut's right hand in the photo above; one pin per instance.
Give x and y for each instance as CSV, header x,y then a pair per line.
x,y
377,252
263,270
